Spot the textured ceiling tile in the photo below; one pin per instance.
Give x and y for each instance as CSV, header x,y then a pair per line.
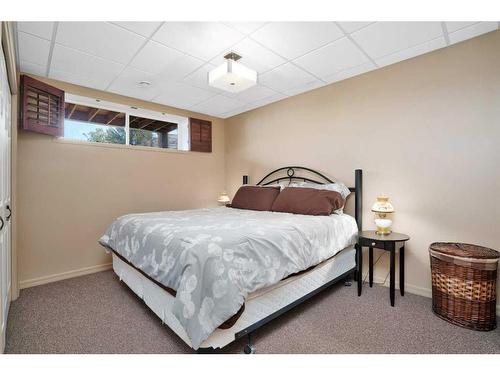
x,y
286,77
33,49
100,39
412,52
144,29
81,64
203,40
292,39
332,58
350,27
178,94
472,31
40,29
217,105
383,38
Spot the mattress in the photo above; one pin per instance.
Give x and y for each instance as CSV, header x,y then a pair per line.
x,y
258,304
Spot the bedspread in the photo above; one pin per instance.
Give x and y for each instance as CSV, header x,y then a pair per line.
x,y
215,257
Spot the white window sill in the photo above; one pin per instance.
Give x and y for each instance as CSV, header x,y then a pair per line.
x,y
115,145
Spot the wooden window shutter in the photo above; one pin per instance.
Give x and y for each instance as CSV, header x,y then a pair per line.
x,y
42,107
201,135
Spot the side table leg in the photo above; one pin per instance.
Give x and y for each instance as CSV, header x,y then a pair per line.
x,y
402,270
392,274
359,253
370,263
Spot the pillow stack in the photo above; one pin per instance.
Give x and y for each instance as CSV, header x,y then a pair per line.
x,y
308,200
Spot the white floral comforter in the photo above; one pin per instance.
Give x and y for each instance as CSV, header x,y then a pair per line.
x,y
215,257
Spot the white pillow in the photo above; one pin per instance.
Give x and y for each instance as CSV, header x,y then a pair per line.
x,y
284,184
339,187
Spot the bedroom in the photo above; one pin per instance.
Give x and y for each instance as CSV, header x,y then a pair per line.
x,y
181,187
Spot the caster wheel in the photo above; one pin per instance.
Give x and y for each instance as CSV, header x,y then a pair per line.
x,y
249,349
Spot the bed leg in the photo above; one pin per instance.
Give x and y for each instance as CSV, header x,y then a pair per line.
x,y
347,281
249,348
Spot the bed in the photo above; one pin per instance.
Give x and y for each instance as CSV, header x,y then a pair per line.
x,y
215,275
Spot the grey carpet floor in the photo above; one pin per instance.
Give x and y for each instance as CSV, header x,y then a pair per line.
x,y
98,314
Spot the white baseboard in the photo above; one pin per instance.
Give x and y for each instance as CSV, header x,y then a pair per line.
x,y
410,288
414,289
2,339
64,275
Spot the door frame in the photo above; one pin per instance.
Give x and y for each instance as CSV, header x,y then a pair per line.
x,y
10,50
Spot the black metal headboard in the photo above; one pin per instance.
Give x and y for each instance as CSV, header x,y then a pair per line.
x,y
289,173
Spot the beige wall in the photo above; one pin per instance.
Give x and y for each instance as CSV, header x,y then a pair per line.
x,y
425,131
69,193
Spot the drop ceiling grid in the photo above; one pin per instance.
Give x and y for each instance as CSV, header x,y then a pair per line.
x,y
205,62
306,62
146,41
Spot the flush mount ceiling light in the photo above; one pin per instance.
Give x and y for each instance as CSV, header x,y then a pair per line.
x,y
232,76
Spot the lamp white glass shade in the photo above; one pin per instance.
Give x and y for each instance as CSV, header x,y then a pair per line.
x,y
223,198
232,76
382,205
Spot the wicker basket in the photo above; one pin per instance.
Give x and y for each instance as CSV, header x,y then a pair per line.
x,y
464,284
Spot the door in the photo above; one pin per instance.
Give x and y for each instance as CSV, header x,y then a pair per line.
x,y
5,186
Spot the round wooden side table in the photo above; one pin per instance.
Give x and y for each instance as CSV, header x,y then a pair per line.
x,y
388,242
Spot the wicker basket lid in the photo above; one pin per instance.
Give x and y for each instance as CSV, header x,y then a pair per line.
x,y
464,250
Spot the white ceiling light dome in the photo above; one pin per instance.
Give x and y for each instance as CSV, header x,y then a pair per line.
x,y
232,76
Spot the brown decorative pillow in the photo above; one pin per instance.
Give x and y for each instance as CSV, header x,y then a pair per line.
x,y
308,201
255,198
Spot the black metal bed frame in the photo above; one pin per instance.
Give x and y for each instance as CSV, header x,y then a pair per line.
x,y
355,272
291,176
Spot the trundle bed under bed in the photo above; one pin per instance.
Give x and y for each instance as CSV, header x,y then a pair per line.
x,y
280,244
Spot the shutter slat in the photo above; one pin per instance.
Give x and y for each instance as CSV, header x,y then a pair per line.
x,y
42,107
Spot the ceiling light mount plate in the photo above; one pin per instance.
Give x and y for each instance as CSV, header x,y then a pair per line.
x,y
232,56
232,76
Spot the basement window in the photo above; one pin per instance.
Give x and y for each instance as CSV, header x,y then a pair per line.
x,y
95,120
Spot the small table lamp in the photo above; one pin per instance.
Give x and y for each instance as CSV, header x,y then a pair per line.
x,y
223,198
382,207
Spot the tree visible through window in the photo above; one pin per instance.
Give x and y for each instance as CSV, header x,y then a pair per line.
x,y
94,124
108,135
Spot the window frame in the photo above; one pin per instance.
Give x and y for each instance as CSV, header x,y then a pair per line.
x,y
152,131
128,111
